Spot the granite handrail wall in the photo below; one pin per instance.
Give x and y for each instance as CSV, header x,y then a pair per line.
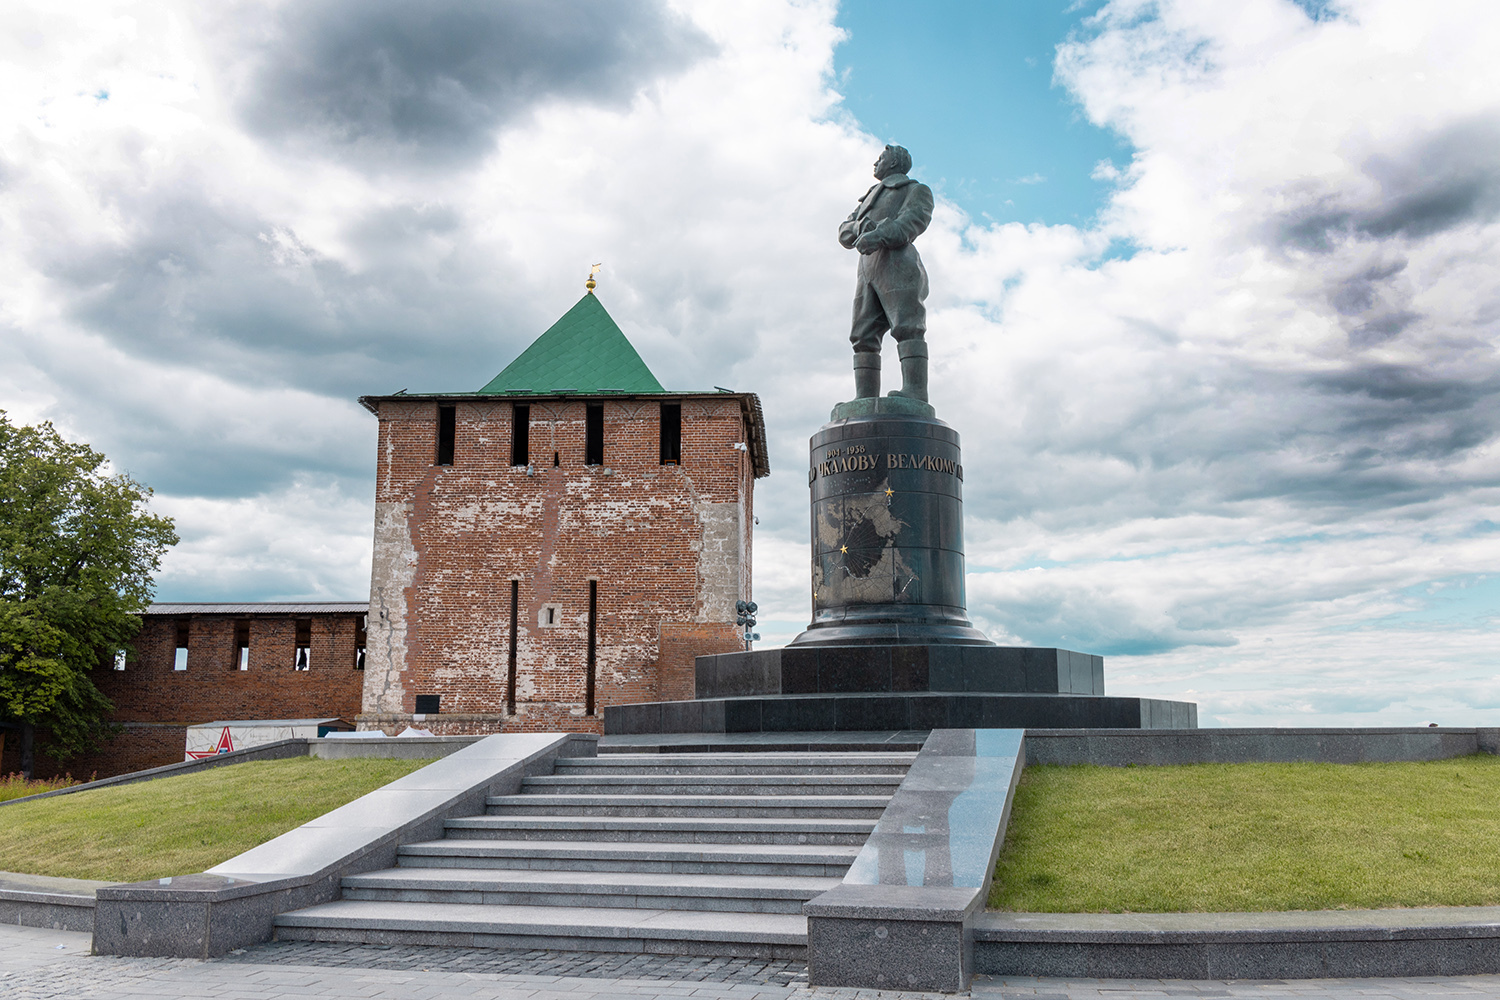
x,y
902,917
1144,747
234,904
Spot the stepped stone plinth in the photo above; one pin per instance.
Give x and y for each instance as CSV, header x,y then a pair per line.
x,y
890,645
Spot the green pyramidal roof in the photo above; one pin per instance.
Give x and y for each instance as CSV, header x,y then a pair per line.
x,y
582,352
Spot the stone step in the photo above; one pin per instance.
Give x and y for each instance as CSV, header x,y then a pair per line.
x,y
650,829
648,890
762,806
739,763
613,929
791,860
712,784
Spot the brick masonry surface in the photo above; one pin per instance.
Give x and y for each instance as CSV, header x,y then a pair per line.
x,y
155,703
666,546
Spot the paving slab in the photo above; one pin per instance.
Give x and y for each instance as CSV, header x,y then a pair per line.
x,y
32,967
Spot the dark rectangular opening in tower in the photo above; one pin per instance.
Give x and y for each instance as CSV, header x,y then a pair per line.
x,y
361,640
242,645
593,435
520,434
447,428
588,690
671,434
510,668
180,654
428,704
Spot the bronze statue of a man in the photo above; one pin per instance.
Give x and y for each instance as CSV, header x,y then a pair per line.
x,y
892,281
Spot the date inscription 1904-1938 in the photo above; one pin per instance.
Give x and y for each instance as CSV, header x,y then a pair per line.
x,y
856,459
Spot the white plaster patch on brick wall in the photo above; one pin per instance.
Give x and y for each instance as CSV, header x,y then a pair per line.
x,y
719,553
391,572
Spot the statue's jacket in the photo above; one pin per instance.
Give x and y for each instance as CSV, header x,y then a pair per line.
x,y
900,209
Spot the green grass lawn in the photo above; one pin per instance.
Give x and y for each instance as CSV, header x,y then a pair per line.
x,y
174,826
1228,837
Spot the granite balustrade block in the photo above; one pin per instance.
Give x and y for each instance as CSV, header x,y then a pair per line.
x,y
901,918
1186,744
234,904
1429,941
65,904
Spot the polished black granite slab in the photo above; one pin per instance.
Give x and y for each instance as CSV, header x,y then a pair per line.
x,y
875,669
879,741
906,710
940,827
900,918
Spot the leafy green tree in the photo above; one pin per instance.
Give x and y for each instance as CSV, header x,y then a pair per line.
x,y
77,553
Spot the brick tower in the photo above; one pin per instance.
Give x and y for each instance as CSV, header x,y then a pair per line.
x,y
567,537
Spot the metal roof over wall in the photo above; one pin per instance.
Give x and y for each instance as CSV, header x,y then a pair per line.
x,y
585,355
260,608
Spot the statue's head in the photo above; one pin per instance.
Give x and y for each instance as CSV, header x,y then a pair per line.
x,y
893,160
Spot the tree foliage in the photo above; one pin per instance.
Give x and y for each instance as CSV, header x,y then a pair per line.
x,y
78,550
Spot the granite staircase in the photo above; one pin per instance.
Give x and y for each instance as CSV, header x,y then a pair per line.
x,y
687,854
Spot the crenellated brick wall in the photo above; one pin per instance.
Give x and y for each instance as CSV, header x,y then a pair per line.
x,y
156,703
213,687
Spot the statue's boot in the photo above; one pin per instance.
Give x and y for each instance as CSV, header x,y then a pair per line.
x,y
913,355
866,374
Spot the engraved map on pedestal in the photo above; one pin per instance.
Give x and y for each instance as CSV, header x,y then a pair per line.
x,y
858,558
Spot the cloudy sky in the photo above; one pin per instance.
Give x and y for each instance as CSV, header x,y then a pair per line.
x,y
1215,288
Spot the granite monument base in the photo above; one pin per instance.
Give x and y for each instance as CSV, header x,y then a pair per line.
x,y
867,688
871,669
919,710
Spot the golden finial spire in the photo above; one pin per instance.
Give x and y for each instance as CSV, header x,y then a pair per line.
x,y
592,271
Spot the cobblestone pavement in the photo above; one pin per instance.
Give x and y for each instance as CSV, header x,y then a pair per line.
x,y
579,964
40,964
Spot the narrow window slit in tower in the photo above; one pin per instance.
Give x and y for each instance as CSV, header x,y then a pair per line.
x,y
593,435
180,655
447,430
361,639
671,434
588,691
510,669
520,434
